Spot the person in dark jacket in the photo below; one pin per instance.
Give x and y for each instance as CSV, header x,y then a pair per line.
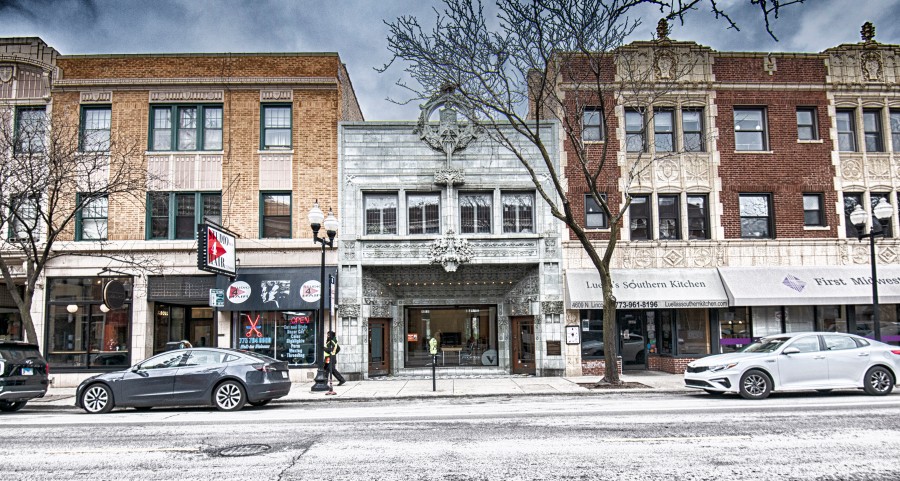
x,y
332,348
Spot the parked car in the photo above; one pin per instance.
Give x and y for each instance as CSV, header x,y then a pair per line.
x,y
632,349
819,361
23,374
224,378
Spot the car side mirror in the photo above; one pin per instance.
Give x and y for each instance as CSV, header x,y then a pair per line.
x,y
790,350
136,368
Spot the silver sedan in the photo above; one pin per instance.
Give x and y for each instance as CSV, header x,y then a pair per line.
x,y
819,361
224,378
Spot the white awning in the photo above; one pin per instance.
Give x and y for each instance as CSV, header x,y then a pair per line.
x,y
647,289
825,285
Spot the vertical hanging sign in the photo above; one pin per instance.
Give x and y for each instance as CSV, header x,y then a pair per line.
x,y
216,250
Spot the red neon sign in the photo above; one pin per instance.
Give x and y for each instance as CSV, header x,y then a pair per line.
x,y
253,327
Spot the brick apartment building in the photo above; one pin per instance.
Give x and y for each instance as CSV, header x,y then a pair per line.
x,y
246,141
739,227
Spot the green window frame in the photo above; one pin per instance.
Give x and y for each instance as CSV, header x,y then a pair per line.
x,y
185,127
275,215
276,126
175,215
23,218
95,128
92,219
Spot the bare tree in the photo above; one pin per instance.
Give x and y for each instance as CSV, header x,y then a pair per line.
x,y
52,171
540,61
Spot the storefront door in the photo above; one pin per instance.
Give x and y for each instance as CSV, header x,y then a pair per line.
x,y
523,345
379,347
632,339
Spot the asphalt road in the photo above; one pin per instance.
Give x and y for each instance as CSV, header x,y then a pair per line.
x,y
645,436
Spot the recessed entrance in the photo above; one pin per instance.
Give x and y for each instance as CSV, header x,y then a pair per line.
x,y
523,345
176,323
466,335
379,347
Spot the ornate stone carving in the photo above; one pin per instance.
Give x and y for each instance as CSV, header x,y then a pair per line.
x,y
7,72
449,135
187,96
640,257
394,250
667,170
380,309
666,65
769,65
879,168
867,32
852,168
696,171
276,95
550,246
552,307
93,96
449,176
349,250
519,307
349,178
872,66
450,252
348,310
674,258
506,248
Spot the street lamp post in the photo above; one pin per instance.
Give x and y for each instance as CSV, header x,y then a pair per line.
x,y
316,219
882,212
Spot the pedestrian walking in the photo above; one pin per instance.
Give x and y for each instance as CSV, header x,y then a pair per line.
x,y
332,348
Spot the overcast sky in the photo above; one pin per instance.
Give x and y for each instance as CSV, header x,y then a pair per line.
x,y
355,29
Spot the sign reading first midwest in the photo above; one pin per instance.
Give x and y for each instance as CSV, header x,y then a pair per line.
x,y
215,250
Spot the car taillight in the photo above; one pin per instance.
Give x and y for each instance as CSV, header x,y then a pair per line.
x,y
896,351
263,367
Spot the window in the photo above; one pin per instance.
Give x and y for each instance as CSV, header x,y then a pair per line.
x,y
518,212
663,130
175,215
756,216
594,217
592,125
846,127
812,210
275,216
195,127
639,211
23,222
838,343
424,213
669,227
874,198
872,131
806,344
165,360
95,128
276,127
698,217
807,128
475,210
750,129
381,213
634,131
31,129
895,129
851,200
92,219
692,130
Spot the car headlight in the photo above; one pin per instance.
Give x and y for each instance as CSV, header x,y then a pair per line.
x,y
722,367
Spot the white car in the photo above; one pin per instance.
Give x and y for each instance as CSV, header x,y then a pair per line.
x,y
819,361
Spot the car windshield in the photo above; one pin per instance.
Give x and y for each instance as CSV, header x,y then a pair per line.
x,y
765,345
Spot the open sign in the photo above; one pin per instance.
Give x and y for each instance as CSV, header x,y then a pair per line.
x,y
300,320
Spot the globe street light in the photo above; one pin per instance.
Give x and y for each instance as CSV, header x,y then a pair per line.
x,y
882,212
316,219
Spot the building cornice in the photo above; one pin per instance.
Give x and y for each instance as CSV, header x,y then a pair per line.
x,y
231,82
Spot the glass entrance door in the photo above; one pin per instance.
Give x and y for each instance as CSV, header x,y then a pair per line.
x,y
379,347
632,338
523,345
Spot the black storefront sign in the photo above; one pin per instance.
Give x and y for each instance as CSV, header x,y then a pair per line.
x,y
278,289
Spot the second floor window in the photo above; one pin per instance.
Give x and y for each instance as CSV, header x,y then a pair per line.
x,y
806,124
872,131
750,129
518,212
698,217
663,130
424,213
634,131
95,128
812,210
592,125
276,127
669,213
175,215
851,200
92,219
692,130
756,216
639,211
475,211
31,130
381,213
594,217
895,129
23,222
846,128
275,215
186,127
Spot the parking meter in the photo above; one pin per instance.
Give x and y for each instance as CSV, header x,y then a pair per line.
x,y
432,348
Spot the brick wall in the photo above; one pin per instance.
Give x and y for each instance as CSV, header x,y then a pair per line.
x,y
671,365
597,367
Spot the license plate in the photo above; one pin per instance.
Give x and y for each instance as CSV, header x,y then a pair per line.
x,y
27,371
284,374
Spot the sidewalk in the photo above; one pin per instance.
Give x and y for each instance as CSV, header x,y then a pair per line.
x,y
419,387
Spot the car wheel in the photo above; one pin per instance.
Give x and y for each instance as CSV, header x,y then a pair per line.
x,y
97,399
229,396
878,381
755,385
260,403
713,393
11,407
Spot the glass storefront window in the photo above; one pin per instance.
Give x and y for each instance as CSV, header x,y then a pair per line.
x,y
831,318
666,326
692,326
799,318
182,323
890,327
592,334
88,337
284,335
466,335
734,329
11,325
766,320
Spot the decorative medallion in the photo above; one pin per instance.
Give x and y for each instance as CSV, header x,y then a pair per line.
x,y
348,310
666,63
852,168
349,250
449,135
449,176
552,307
450,252
870,62
667,170
6,73
879,168
769,65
